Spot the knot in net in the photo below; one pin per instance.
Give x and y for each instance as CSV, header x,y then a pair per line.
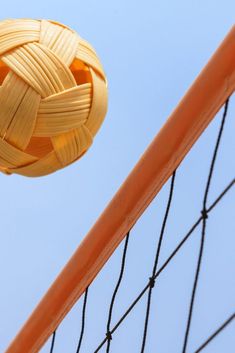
x,y
53,96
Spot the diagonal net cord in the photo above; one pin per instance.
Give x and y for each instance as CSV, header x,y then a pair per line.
x,y
214,334
123,261
204,222
154,270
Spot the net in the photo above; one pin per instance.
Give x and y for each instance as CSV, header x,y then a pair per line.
x,y
174,141
204,217
205,213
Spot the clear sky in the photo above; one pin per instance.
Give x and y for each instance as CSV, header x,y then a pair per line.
x,y
151,51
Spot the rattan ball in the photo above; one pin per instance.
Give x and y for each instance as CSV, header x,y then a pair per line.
x,y
53,96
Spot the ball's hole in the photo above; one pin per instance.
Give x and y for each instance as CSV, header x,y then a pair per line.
x,y
4,70
80,72
39,146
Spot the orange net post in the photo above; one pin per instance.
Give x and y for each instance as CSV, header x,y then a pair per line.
x,y
187,122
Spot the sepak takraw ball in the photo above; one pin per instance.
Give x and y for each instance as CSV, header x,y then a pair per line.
x,y
53,96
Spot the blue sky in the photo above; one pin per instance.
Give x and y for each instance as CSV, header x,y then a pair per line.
x,y
151,51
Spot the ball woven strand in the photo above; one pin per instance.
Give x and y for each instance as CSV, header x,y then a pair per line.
x,y
53,96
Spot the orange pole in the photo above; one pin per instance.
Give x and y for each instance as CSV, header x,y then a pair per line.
x,y
187,122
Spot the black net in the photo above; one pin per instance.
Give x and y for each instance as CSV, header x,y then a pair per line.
x,y
165,307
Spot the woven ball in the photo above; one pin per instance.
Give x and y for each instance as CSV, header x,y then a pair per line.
x,y
53,96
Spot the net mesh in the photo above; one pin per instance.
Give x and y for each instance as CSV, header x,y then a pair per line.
x,y
150,314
